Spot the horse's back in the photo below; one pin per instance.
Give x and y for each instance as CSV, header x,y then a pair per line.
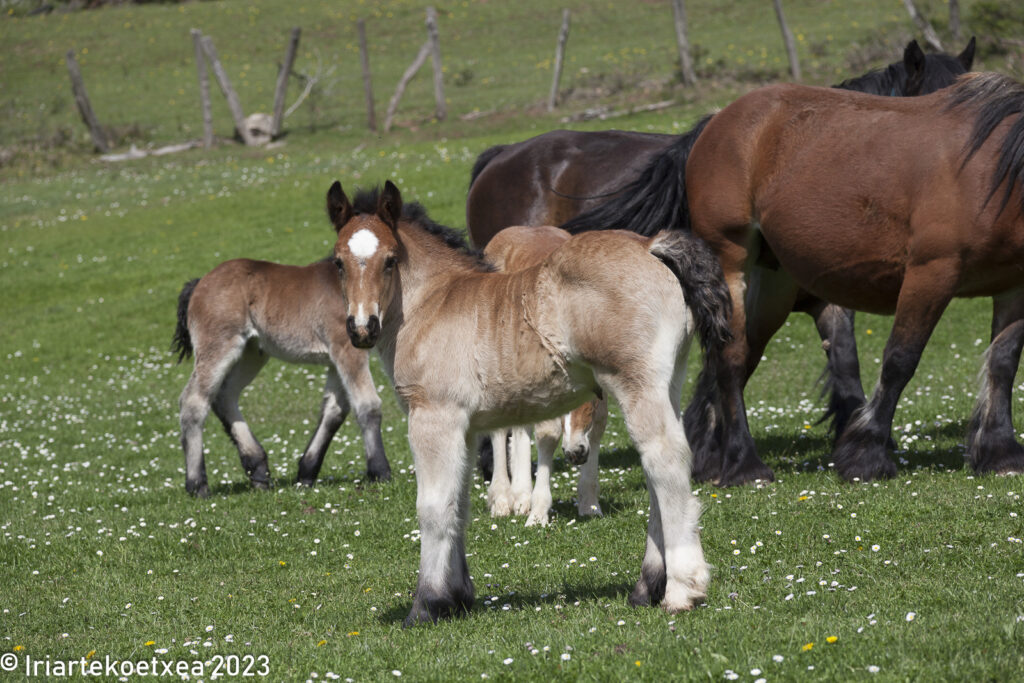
x,y
521,246
548,179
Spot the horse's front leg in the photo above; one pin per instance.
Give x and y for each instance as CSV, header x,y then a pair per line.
x,y
991,444
437,435
499,496
926,291
547,435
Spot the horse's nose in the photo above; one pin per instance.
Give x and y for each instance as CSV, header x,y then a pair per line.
x,y
578,455
363,336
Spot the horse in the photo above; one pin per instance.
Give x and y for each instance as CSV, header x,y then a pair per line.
x,y
471,350
516,248
636,181
237,316
891,206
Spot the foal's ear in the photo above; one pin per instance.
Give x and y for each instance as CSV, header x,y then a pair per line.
x,y
913,59
339,210
967,56
389,204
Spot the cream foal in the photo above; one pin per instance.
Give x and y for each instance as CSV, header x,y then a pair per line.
x,y
470,350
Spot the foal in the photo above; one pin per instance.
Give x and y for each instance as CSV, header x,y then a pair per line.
x,y
236,317
471,350
512,249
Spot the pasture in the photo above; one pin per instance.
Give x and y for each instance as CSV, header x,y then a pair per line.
x,y
103,554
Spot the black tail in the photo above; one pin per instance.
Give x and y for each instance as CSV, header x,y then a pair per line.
x,y
655,201
704,289
181,344
481,161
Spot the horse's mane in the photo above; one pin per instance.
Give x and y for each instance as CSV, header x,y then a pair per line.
x,y
413,213
993,98
876,82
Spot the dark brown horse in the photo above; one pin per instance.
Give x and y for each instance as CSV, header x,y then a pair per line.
x,y
884,205
566,178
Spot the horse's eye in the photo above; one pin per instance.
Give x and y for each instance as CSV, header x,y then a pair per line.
x,y
339,265
390,262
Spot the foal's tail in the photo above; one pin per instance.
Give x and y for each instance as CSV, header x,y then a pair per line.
x,y
704,289
181,344
654,201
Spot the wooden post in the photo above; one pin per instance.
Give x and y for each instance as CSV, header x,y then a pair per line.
x,y
923,25
204,88
225,87
685,59
403,82
434,40
787,38
99,138
563,38
282,82
364,60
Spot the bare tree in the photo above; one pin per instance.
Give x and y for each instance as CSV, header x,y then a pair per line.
x,y
563,37
685,59
923,25
954,19
787,38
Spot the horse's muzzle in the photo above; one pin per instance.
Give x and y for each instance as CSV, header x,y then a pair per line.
x,y
576,456
363,336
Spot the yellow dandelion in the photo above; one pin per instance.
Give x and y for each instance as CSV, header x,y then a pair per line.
x,y
831,639
637,662
282,563
802,498
90,654
150,642
353,633
867,331
807,647
714,495
321,643
19,648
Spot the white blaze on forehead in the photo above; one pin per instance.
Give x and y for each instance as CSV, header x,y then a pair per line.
x,y
363,244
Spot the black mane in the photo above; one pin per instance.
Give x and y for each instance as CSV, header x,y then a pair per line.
x,y
993,98
365,201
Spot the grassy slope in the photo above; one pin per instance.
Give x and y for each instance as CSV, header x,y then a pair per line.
x,y
93,257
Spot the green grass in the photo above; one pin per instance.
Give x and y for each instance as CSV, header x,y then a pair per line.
x,y
101,550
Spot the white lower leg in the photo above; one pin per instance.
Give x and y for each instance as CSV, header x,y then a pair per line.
x,y
499,498
520,461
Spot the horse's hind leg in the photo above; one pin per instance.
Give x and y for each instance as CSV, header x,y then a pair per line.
x,y
842,374
333,410
213,363
438,439
673,572
991,444
861,451
354,369
547,434
250,452
587,488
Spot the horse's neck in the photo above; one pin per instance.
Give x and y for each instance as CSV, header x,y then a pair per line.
x,y
429,267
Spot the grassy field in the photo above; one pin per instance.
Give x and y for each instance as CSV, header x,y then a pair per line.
x,y
102,554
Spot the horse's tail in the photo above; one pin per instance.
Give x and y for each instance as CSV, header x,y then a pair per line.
x,y
481,161
181,344
704,289
655,201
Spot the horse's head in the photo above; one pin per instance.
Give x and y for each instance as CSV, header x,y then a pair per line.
x,y
579,425
920,74
366,255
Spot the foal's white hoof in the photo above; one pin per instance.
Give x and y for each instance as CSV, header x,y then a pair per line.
x,y
683,596
537,518
500,505
521,502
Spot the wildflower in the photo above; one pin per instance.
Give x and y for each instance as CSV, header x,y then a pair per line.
x,y
88,655
638,663
507,661
396,672
19,648
282,563
807,647
150,642
875,548
566,656
778,659
873,669
353,633
831,639
911,615
321,643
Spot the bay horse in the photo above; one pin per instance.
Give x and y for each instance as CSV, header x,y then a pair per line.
x,y
636,181
234,319
891,206
517,248
471,350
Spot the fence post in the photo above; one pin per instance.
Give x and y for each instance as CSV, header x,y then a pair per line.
x,y
441,109
787,38
563,38
364,60
99,138
204,88
282,82
685,59
225,87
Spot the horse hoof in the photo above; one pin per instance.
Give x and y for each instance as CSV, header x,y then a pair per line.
x,y
589,510
749,475
381,475
521,503
308,482
261,484
537,519
198,491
